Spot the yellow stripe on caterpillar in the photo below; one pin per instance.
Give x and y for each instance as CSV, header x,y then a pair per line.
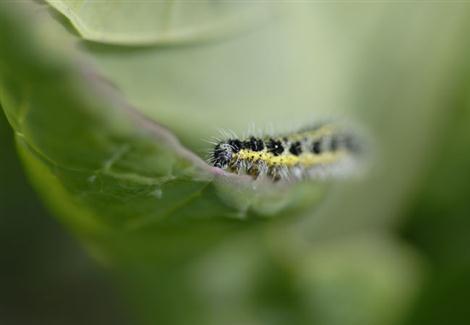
x,y
289,160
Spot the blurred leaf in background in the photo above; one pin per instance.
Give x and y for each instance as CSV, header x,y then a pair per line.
x,y
438,223
111,133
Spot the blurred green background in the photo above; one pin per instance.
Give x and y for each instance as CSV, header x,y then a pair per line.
x,y
45,276
397,243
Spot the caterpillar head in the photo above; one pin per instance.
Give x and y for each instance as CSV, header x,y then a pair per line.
x,y
224,151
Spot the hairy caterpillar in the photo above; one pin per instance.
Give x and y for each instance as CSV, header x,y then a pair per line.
x,y
316,152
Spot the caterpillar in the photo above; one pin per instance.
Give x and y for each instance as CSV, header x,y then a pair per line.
x,y
315,152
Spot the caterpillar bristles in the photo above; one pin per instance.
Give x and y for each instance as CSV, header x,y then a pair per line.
x,y
325,150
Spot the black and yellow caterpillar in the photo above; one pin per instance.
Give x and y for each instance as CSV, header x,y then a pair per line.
x,y
319,151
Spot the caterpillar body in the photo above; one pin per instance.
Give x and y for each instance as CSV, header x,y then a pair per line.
x,y
316,152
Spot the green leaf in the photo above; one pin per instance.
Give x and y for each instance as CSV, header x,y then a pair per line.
x,y
105,153
158,22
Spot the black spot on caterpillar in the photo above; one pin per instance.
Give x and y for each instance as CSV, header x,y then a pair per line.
x,y
323,150
275,147
296,148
